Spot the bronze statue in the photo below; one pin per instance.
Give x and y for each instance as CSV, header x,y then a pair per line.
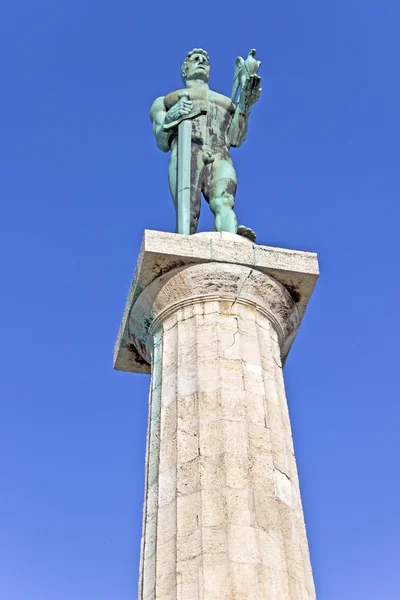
x,y
208,124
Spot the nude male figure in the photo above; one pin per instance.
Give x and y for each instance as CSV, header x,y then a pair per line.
x,y
217,124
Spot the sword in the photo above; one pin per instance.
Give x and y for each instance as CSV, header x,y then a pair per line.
x,y
184,159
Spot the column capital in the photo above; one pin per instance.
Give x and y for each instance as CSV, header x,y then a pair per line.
x,y
175,271
225,289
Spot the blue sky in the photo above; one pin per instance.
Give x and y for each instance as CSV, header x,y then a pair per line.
x,y
81,178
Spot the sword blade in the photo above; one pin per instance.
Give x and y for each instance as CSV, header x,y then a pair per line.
x,y
184,159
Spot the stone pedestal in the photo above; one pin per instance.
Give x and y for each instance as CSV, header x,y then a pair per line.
x,y
212,316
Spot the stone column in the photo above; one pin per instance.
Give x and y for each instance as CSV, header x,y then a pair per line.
x,y
222,516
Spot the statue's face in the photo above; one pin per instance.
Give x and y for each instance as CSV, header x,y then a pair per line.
x,y
198,67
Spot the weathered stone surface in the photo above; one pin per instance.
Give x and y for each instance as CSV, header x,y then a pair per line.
x,y
163,252
222,512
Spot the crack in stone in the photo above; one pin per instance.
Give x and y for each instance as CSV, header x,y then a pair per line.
x,y
282,473
276,362
240,290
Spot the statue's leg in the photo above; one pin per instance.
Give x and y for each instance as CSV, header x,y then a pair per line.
x,y
195,187
196,172
219,189
173,181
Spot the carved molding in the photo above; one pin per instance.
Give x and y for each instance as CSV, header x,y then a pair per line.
x,y
210,282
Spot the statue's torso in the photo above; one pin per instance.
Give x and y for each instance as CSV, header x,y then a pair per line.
x,y
214,115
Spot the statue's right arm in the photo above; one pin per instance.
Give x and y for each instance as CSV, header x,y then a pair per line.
x,y
157,116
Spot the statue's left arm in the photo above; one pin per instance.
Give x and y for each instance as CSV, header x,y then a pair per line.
x,y
248,97
238,129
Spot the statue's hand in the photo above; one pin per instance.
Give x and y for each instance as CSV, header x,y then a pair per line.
x,y
249,93
181,108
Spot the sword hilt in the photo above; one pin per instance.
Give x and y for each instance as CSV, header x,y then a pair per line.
x,y
169,126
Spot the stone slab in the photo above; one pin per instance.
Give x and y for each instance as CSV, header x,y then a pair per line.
x,y
161,252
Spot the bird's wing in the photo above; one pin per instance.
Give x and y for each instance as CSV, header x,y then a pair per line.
x,y
239,66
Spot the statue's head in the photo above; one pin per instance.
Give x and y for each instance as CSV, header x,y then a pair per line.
x,y
196,66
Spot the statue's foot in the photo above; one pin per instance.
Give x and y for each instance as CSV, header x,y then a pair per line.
x,y
246,232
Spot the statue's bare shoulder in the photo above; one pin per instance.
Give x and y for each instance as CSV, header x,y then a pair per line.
x,y
156,107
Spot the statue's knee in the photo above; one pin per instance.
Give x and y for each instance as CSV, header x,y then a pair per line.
x,y
214,204
218,204
227,200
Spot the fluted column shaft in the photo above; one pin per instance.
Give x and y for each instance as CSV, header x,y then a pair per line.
x,y
222,517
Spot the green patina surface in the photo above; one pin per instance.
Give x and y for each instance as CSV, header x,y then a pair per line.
x,y
200,152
